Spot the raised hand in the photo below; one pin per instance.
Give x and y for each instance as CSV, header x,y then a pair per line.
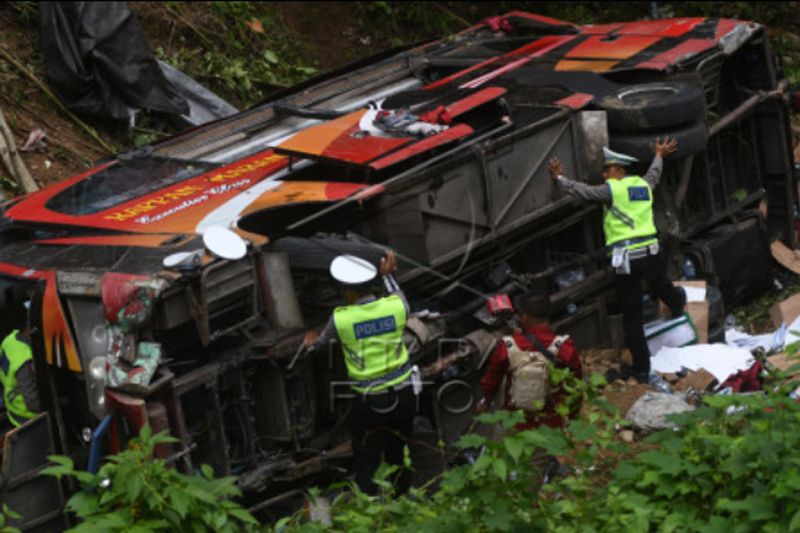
x,y
388,264
664,147
555,167
310,337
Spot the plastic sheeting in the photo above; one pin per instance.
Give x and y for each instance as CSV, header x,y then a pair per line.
x,y
768,342
135,376
204,105
100,64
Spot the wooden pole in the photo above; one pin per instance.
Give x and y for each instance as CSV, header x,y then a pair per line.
x,y
12,160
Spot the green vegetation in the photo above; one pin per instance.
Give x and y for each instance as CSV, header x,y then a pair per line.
x,y
401,23
135,492
6,515
732,467
238,49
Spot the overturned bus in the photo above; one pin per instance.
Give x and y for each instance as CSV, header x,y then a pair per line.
x,y
438,152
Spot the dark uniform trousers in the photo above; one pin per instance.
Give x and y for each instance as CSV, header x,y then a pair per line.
x,y
381,425
650,269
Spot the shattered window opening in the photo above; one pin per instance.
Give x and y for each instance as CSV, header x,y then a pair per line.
x,y
124,181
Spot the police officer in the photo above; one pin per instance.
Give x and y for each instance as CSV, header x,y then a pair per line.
x,y
17,376
370,332
631,239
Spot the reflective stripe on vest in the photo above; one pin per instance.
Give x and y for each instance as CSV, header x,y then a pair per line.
x,y
14,353
630,216
372,340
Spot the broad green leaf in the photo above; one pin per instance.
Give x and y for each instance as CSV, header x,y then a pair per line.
x,y
180,503
514,447
794,524
245,517
134,486
471,440
500,469
581,430
482,463
270,56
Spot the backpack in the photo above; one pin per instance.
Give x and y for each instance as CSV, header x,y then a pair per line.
x,y
530,372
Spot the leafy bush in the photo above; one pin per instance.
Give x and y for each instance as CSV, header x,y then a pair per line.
x,y
135,492
500,490
734,466
6,515
241,50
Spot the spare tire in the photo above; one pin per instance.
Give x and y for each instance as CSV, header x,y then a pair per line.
x,y
316,254
651,106
691,139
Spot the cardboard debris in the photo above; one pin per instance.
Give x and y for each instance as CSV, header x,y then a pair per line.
x,y
697,310
786,257
670,378
700,380
782,362
785,312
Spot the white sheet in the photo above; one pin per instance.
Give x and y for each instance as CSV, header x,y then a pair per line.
x,y
720,360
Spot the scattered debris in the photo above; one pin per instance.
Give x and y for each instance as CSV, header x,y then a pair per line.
x,y
768,342
677,332
5,54
35,141
697,306
719,359
626,435
255,25
748,380
700,380
785,312
623,396
658,383
650,412
783,362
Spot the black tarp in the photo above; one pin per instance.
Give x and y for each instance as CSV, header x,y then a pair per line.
x,y
100,64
